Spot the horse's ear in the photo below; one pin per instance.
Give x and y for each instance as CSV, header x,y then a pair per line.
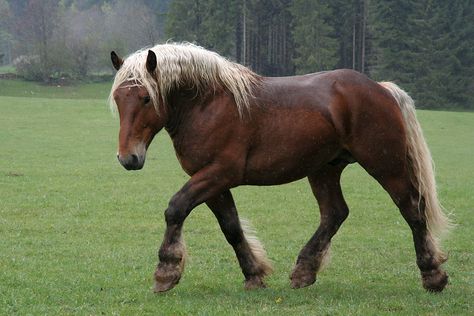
x,y
116,60
151,62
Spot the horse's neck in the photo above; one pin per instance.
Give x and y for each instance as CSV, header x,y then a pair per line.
x,y
180,105
176,113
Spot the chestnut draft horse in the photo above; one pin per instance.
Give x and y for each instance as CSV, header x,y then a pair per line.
x,y
231,127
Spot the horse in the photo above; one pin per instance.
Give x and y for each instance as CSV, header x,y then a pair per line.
x,y
230,126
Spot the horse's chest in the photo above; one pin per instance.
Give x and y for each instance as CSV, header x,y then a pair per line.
x,y
192,158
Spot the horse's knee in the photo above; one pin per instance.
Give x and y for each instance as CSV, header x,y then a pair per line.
x,y
342,213
339,215
176,211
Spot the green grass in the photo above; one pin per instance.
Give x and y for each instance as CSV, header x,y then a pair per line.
x,y
79,234
7,69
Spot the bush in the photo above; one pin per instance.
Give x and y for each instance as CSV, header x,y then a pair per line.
x,y
29,67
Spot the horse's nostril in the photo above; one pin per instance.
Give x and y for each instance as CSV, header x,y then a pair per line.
x,y
131,161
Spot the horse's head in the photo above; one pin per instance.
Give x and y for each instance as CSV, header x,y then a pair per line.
x,y
139,120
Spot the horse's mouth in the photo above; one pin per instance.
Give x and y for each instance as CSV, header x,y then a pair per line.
x,y
132,162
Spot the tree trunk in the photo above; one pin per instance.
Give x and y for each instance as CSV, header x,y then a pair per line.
x,y
364,25
354,42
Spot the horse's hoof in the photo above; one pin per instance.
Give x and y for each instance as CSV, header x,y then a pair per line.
x,y
434,280
163,287
299,283
254,282
301,279
166,278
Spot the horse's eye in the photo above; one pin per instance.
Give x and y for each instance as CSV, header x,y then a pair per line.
x,y
146,99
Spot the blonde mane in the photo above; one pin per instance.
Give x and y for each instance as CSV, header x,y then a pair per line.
x,y
180,64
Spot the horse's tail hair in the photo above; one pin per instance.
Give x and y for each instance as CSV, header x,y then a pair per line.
x,y
421,169
256,248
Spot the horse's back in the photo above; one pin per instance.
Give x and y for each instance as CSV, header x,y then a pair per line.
x,y
346,99
314,119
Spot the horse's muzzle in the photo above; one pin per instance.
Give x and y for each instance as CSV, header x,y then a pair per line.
x,y
131,162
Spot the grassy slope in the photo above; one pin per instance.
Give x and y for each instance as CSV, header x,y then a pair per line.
x,y
79,234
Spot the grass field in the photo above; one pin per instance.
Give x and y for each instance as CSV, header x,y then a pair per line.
x,y
79,234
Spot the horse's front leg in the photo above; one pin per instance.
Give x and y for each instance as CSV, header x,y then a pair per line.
x,y
203,185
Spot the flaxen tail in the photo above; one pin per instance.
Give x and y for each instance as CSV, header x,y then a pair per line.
x,y
422,167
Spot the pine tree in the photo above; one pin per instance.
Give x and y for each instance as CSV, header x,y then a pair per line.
x,y
451,61
208,23
427,47
268,43
183,22
397,43
350,20
315,45
219,20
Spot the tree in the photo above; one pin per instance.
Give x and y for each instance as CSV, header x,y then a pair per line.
x,y
5,35
255,33
218,22
269,42
35,29
315,45
428,48
130,25
397,40
81,39
449,58
350,20
210,23
184,20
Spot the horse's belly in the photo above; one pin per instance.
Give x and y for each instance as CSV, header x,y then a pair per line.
x,y
289,160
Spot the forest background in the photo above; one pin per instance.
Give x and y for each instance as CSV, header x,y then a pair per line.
x,y
426,46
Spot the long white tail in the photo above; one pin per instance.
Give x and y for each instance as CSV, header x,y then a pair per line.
x,y
422,167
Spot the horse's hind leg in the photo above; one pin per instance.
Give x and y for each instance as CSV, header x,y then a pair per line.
x,y
392,173
250,253
333,209
428,256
